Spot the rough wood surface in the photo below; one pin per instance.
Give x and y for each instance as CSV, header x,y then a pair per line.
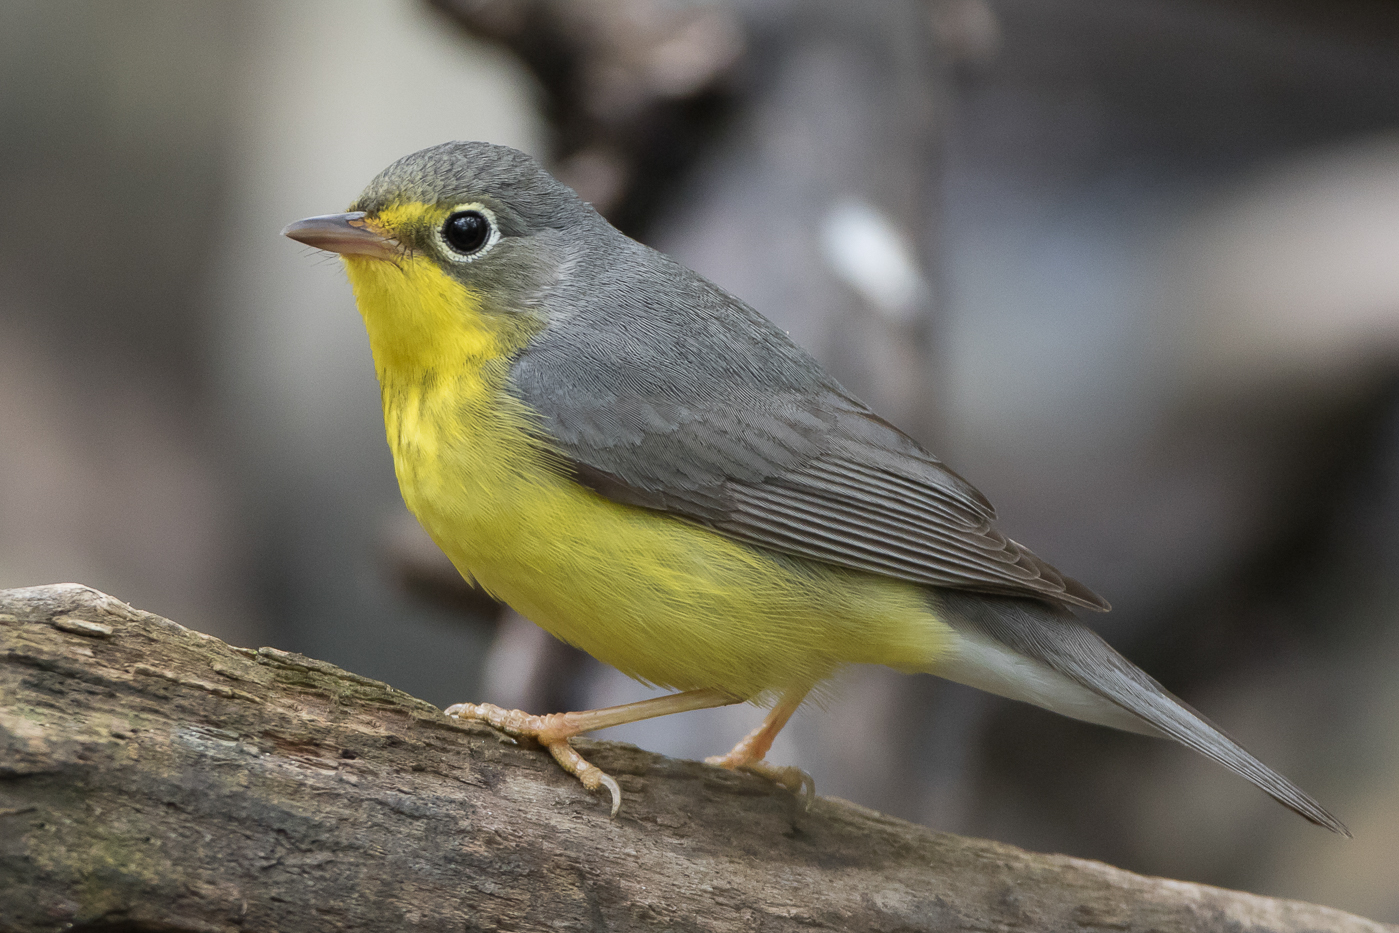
x,y
153,778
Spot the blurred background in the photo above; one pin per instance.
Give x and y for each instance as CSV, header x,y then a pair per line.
x,y
1132,266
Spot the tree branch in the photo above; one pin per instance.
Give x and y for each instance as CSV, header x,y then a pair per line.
x,y
153,778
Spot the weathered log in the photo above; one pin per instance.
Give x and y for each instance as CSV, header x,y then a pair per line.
x,y
153,778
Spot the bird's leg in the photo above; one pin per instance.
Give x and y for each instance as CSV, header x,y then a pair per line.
x,y
554,730
749,753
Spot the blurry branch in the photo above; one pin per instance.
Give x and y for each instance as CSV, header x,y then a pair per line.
x,y
153,778
633,87
418,566
635,90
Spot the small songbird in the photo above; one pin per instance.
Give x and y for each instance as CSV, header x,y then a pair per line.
x,y
651,470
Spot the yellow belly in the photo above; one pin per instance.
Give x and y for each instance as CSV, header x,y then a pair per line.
x,y
661,599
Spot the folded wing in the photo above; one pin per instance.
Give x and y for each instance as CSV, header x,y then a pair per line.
x,y
710,413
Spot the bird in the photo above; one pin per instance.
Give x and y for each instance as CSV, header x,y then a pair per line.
x,y
652,471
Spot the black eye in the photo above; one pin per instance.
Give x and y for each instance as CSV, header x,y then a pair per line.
x,y
466,231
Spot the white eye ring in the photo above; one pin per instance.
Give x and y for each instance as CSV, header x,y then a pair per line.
x,y
456,254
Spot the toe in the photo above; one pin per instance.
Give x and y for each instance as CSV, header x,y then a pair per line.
x,y
589,775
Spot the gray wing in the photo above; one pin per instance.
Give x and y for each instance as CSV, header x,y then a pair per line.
x,y
664,392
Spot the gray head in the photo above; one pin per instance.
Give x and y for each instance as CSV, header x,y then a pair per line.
x,y
490,215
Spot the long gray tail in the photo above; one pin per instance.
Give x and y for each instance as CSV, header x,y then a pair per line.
x,y
1029,650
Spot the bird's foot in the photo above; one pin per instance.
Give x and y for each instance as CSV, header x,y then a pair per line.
x,y
792,778
749,754
552,731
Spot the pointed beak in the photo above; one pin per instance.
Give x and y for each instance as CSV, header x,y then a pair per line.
x,y
351,234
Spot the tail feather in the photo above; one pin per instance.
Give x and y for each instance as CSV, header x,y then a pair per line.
x,y
1058,644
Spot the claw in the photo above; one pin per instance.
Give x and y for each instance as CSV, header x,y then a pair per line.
x,y
589,775
792,778
614,790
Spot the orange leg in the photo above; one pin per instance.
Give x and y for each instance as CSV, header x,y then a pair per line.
x,y
554,730
749,753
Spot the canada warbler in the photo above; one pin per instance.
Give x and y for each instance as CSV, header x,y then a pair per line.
x,y
652,471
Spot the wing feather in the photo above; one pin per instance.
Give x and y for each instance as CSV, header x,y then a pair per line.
x,y
664,392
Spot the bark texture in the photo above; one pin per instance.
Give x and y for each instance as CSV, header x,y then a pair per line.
x,y
153,778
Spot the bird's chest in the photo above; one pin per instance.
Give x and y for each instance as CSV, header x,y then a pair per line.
x,y
464,459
